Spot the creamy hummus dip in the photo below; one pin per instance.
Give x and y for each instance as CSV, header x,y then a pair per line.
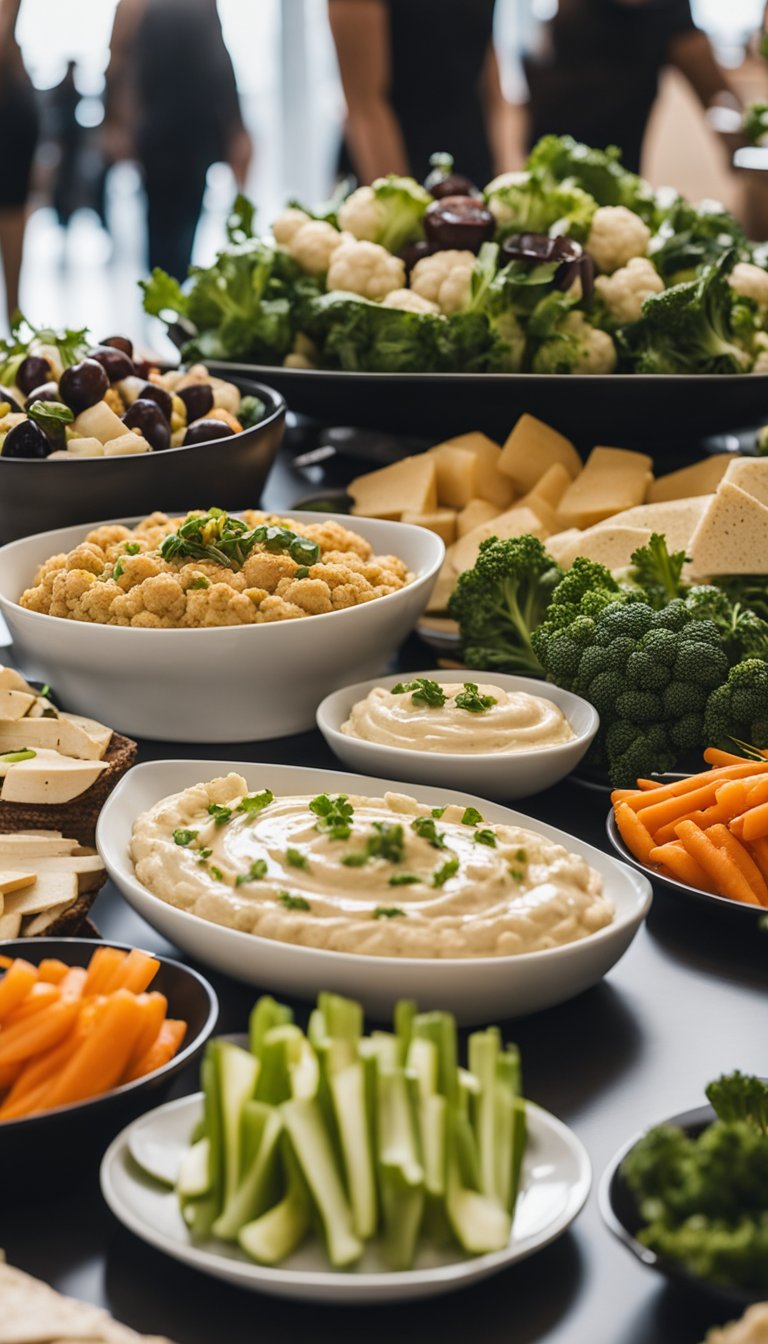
x,y
498,721
386,876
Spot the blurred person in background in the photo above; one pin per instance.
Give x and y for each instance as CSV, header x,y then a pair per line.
x,y
19,119
596,74
63,101
172,104
420,76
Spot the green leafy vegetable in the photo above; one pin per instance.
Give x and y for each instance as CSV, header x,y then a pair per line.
x,y
425,692
500,602
387,842
471,699
226,540
485,836
426,829
183,836
471,817
404,880
657,572
692,327
292,902
334,815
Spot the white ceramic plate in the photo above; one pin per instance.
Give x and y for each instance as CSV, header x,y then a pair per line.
x,y
220,684
499,775
476,989
555,1183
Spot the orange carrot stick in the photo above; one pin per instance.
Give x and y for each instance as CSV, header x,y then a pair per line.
x,y
40,996
714,756
104,967
691,782
52,970
155,1010
681,865
138,971
100,1061
759,851
16,984
727,879
169,1038
649,784
667,810
633,832
37,1033
721,836
754,823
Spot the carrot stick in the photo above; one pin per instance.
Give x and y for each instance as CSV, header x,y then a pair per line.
x,y
621,795
168,1040
37,1073
649,784
16,984
681,865
39,997
714,756
660,814
138,971
37,1033
633,832
759,851
100,1061
721,836
155,1011
5,962
754,823
691,782
52,970
8,1075
757,791
104,966
727,879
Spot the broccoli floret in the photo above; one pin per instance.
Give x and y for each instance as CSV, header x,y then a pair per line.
x,y
500,602
599,172
692,236
523,203
585,577
689,327
744,632
739,707
657,572
739,1096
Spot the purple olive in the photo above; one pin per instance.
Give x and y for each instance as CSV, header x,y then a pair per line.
x,y
33,371
115,363
200,431
573,262
443,181
10,398
26,440
459,221
45,392
413,252
119,343
198,399
82,385
146,416
161,397
143,367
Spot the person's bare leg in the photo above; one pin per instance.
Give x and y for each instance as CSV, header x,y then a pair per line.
x,y
12,225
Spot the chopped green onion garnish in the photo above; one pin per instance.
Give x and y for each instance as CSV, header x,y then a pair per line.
x,y
357,859
485,837
182,836
387,912
255,802
517,874
425,827
200,582
301,572
257,870
296,859
438,812
205,852
219,813
131,548
449,869
404,880
334,815
217,873
13,756
292,902
118,570
521,855
387,842
471,817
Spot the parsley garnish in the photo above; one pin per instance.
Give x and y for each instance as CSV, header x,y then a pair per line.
x,y
257,870
292,902
255,802
357,859
200,582
517,874
334,815
449,869
387,842
438,812
296,859
219,813
131,548
301,572
217,873
425,692
205,853
181,836
225,540
387,912
425,827
404,880
118,570
471,699
521,855
471,817
485,837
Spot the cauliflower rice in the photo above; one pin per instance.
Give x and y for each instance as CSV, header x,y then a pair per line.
x,y
117,576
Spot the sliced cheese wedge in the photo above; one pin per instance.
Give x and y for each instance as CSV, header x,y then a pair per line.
x,y
750,474
561,545
47,777
48,890
446,582
10,926
442,522
613,479
677,519
531,449
609,546
551,486
65,735
489,483
35,925
15,704
702,478
11,680
87,868
387,493
513,523
33,844
14,879
474,513
732,537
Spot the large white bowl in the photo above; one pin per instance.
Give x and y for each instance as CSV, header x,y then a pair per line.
x,y
493,774
225,684
474,988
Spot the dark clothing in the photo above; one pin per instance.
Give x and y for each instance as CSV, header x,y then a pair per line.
x,y
598,77
172,218
438,50
19,118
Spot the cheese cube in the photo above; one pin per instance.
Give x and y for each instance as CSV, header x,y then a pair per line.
x,y
552,485
513,523
490,483
677,519
607,545
98,422
474,513
613,479
702,478
48,889
15,704
84,447
446,582
750,474
531,449
126,445
407,486
732,537
543,510
456,474
442,522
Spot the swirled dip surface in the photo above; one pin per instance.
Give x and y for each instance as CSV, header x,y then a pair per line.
x,y
516,722
383,876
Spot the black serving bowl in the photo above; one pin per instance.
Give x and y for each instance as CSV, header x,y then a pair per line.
x,y
62,1142
38,494
621,1215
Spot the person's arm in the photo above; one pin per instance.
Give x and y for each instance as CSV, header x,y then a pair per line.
x,y
360,31
504,122
9,13
691,53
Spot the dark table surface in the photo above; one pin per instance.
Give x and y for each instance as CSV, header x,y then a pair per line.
x,y
686,1003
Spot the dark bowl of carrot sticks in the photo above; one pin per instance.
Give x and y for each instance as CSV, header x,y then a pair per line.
x,y
704,834
91,1035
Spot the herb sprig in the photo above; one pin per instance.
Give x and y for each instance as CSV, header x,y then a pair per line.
x,y
471,699
223,539
425,692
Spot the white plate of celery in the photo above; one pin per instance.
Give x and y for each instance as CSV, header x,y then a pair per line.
x,y
335,1166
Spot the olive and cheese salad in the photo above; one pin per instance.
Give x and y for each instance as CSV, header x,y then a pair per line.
x,y
61,397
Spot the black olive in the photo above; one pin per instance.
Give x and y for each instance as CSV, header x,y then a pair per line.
x,y
119,343
198,399
45,392
413,252
161,397
143,367
82,385
459,221
115,363
26,440
443,181
540,247
146,416
33,371
10,397
200,431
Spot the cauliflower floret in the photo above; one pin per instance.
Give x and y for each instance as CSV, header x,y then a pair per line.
x,y
751,281
220,605
444,278
361,214
335,540
617,234
303,354
366,269
287,225
86,557
265,569
408,301
625,292
314,245
313,596
597,353
761,363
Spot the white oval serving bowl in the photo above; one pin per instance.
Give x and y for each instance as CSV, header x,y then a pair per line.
x,y
225,684
500,774
476,989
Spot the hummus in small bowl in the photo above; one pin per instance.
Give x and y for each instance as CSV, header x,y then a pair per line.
x,y
384,876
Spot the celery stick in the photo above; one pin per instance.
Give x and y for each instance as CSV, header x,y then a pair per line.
x,y
510,1141
465,1145
480,1223
289,1066
520,1133
237,1073
266,1014
401,1175
199,1214
303,1120
273,1236
260,1182
405,1013
194,1177
347,1087
429,1107
343,1017
484,1049
441,1028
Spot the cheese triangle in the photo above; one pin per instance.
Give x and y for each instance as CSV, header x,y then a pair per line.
x,y
750,474
732,537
